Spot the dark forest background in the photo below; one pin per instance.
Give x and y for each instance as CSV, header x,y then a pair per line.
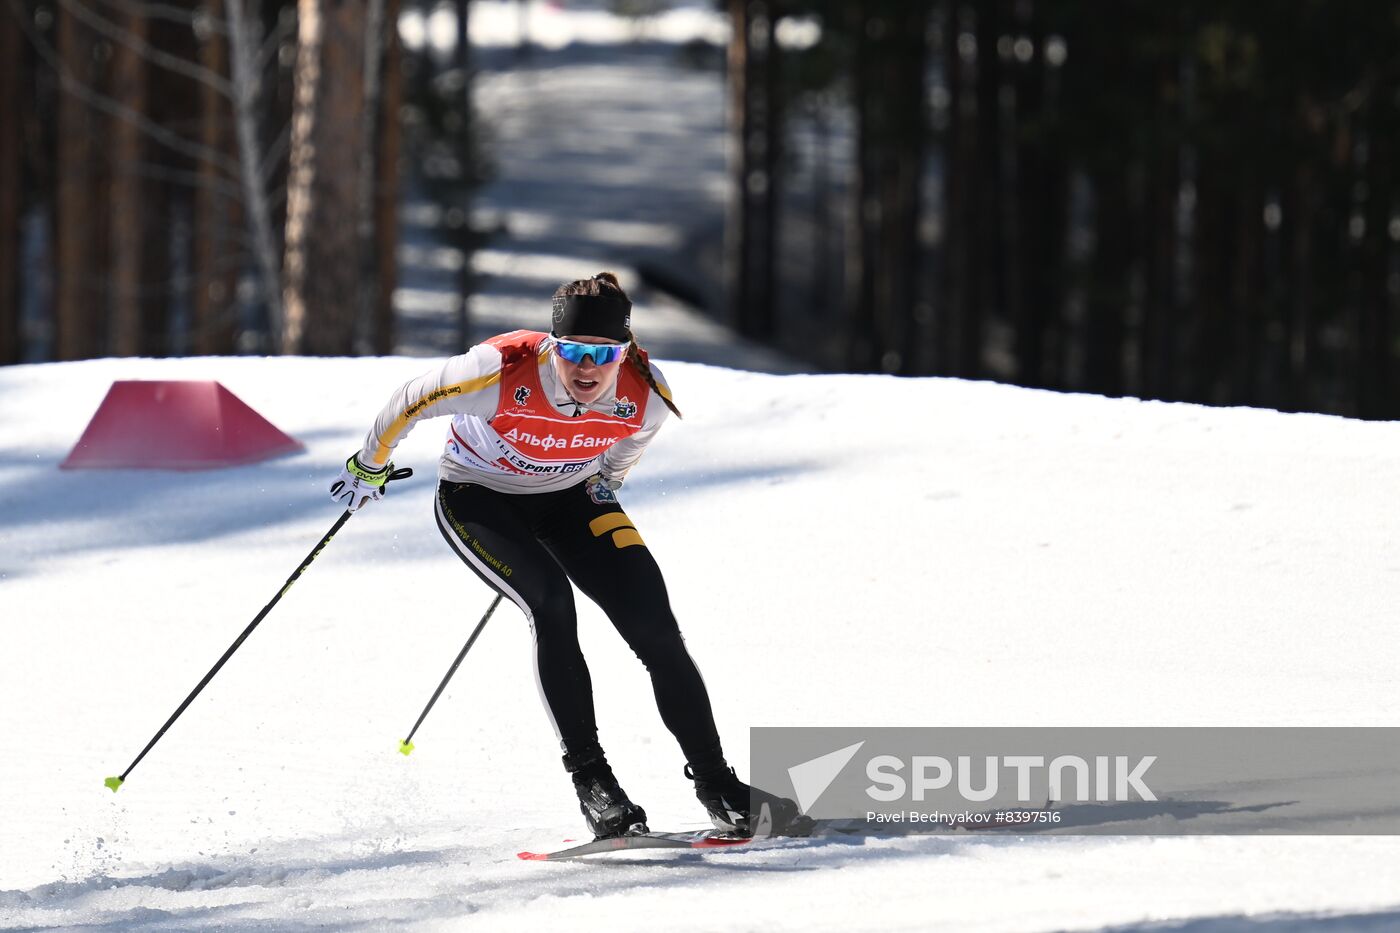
x,y
1189,201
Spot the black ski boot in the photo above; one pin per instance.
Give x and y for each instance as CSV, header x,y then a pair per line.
x,y
737,808
604,804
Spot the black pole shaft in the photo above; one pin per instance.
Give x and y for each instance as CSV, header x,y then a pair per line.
x,y
455,664
325,539
339,523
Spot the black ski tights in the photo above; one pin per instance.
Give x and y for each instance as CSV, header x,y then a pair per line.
x,y
528,547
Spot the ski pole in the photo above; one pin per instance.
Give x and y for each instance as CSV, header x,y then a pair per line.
x,y
406,745
116,782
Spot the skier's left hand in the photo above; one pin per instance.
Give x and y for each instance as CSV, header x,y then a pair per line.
x,y
601,489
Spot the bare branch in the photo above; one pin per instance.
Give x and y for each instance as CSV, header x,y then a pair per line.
x,y
107,105
143,48
286,22
274,153
157,172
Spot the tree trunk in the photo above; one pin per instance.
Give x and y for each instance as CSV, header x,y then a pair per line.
x,y
1376,388
367,182
1249,336
460,232
301,174
889,100
860,348
1159,237
1042,199
956,317
213,324
321,292
77,334
1299,210
462,50
11,187
386,221
1108,293
988,266
169,206
1210,335
753,142
245,31
127,218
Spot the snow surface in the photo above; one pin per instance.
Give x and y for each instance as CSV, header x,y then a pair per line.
x,y
843,550
555,24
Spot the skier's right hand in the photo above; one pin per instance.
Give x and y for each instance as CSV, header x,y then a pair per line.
x,y
358,484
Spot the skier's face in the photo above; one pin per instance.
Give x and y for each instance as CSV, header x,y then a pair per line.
x,y
586,379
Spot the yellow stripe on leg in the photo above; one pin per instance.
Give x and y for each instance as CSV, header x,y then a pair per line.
x,y
606,523
626,537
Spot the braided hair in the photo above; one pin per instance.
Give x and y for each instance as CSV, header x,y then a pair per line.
x,y
605,283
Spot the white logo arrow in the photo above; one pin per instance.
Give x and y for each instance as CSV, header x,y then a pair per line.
x,y
811,778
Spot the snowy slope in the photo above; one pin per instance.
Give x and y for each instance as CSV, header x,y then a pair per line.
x,y
840,550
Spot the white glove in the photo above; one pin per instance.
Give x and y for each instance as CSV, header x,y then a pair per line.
x,y
602,489
358,484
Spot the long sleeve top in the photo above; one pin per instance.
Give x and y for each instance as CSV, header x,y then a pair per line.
x,y
515,428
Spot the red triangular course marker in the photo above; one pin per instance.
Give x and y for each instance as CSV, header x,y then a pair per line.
x,y
175,426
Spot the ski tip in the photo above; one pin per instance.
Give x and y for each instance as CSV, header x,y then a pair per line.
x,y
532,856
114,783
405,747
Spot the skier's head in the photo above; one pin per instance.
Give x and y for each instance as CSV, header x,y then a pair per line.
x,y
596,307
592,330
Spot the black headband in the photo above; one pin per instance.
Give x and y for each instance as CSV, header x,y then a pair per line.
x,y
607,316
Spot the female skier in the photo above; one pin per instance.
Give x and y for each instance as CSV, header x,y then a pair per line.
x,y
544,428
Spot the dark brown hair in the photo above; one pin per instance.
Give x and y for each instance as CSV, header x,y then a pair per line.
x,y
605,283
